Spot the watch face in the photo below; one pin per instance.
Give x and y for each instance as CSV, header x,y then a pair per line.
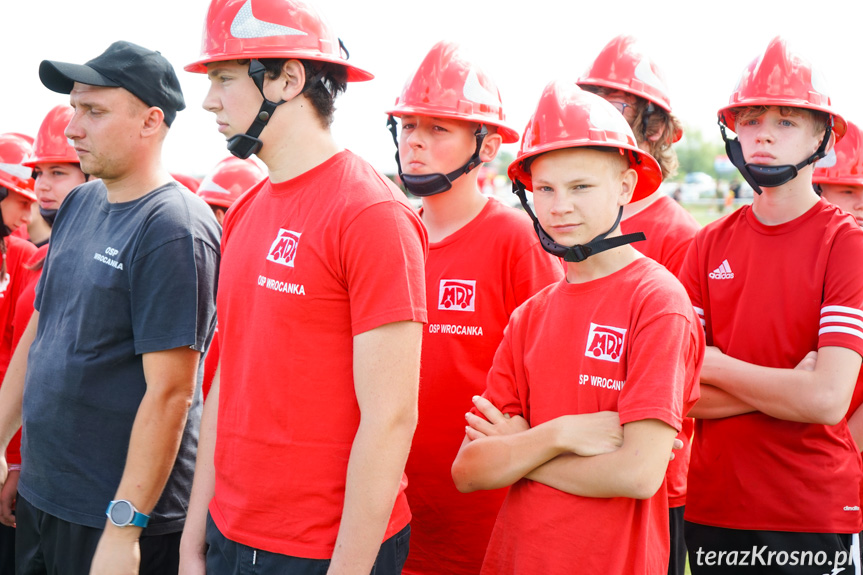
x,y
121,513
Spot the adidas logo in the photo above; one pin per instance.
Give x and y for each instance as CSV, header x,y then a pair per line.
x,y
723,272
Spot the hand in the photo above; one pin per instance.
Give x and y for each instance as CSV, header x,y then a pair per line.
x,y
8,497
590,433
495,422
808,361
193,555
118,552
192,563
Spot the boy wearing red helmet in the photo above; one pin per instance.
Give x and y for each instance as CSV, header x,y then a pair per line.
x,y
615,344
484,261
625,76
321,303
774,483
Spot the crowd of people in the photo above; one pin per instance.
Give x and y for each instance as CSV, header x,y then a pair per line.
x,y
291,370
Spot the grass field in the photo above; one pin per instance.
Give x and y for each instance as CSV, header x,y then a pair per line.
x,y
708,212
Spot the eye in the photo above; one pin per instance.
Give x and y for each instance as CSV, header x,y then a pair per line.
x,y
785,122
408,126
37,174
441,129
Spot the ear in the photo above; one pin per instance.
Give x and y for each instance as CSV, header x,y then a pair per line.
x,y
658,135
289,85
628,180
153,121
490,147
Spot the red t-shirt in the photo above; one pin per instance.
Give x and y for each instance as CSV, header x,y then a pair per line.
x,y
12,289
768,295
669,230
475,278
307,265
628,342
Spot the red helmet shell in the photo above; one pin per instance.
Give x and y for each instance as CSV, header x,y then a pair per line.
x,y
449,85
51,144
568,117
843,164
14,175
622,65
245,29
229,180
189,182
780,77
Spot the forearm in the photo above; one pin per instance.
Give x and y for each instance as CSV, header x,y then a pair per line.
x,y
12,390
635,470
153,446
375,468
716,403
204,484
819,396
501,460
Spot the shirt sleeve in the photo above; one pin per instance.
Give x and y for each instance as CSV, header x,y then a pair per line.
x,y
663,371
173,290
383,254
842,307
506,384
691,278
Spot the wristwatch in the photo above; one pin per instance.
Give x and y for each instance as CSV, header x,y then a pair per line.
x,y
122,514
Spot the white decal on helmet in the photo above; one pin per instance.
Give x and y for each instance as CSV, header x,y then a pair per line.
x,y
645,73
209,185
604,116
245,25
475,92
17,170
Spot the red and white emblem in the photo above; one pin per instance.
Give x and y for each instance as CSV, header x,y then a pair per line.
x,y
458,295
284,248
605,342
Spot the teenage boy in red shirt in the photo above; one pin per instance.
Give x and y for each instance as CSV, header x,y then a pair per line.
x,y
625,76
321,303
616,343
484,261
775,476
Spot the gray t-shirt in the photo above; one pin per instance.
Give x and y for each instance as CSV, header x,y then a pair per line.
x,y
120,280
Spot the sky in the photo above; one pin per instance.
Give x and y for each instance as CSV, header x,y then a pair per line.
x,y
701,45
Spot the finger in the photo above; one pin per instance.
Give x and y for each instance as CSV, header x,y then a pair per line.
x,y
472,433
488,409
678,443
478,423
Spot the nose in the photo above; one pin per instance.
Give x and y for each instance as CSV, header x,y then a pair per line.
x,y
763,133
211,102
559,205
42,184
73,130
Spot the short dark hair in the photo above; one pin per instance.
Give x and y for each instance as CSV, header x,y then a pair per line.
x,y
324,82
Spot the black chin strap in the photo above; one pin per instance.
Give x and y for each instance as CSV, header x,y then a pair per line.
x,y
244,145
48,216
432,184
759,175
580,252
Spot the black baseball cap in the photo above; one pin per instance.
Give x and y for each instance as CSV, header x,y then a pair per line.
x,y
144,73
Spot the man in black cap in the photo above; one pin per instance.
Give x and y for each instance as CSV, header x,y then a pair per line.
x,y
124,312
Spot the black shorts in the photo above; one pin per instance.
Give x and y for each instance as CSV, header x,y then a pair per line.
x,y
677,554
46,544
226,557
715,550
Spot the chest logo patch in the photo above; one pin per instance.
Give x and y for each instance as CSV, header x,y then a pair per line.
x,y
457,295
605,342
284,249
